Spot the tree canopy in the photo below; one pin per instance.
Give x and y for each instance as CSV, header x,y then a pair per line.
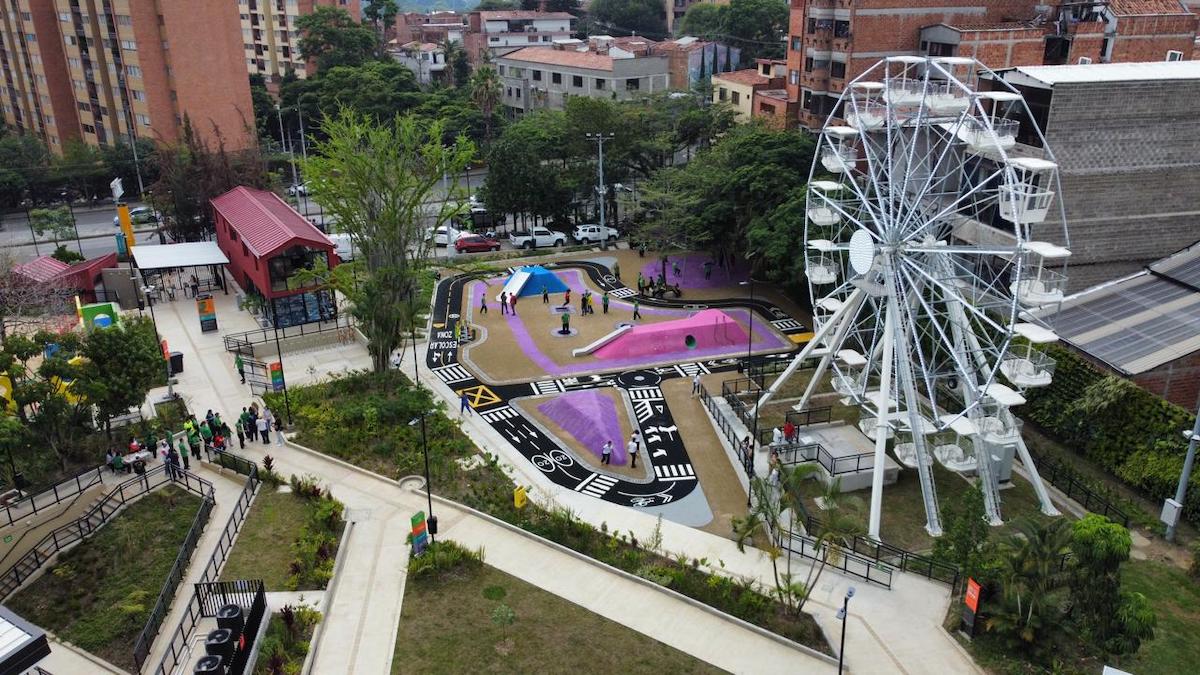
x,y
330,36
757,27
622,17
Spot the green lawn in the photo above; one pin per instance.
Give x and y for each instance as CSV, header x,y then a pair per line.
x,y
1176,601
263,549
446,627
100,593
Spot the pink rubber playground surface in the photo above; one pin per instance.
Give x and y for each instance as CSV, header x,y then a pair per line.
x,y
710,329
724,338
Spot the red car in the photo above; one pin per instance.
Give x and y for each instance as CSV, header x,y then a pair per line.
x,y
475,243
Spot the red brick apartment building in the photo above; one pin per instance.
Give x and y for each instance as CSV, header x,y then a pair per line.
x,y
831,42
108,71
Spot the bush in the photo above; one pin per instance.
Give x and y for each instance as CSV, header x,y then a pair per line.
x,y
442,557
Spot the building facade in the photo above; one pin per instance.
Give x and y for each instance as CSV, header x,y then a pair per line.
x,y
741,88
270,37
35,89
831,42
497,33
427,60
432,27
614,68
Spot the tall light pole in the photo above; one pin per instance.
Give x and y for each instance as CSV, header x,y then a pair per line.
x,y
137,164
749,347
842,614
599,139
432,520
74,223
1181,492
287,146
148,292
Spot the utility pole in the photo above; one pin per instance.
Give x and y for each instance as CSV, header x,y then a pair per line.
x,y
137,164
600,191
1181,491
287,146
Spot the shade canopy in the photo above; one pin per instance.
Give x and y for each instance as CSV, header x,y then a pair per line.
x,y
192,253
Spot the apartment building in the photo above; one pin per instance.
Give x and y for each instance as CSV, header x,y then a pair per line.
x,y
432,27
427,60
270,37
35,90
741,88
831,42
607,67
505,31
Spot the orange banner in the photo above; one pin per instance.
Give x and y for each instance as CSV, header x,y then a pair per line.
x,y
972,599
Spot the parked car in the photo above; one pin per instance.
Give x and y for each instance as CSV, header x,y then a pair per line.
x,y
298,189
589,233
444,235
474,243
139,216
536,238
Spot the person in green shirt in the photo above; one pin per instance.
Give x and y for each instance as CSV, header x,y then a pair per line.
x,y
241,367
637,312
206,434
604,301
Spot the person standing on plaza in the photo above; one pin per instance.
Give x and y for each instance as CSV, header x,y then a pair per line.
x,y
604,302
512,304
264,430
483,303
606,453
464,403
708,267
279,432
637,313
633,451
789,432
697,387
503,302
240,365
583,298
545,295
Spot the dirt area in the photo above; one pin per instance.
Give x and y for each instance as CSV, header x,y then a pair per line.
x,y
717,476
589,456
515,349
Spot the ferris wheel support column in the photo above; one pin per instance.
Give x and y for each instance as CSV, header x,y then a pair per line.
x,y
823,364
840,316
883,409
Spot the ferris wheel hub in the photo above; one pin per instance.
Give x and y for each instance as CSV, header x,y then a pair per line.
x,y
862,251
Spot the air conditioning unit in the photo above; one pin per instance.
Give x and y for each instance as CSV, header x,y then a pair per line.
x,y
1083,60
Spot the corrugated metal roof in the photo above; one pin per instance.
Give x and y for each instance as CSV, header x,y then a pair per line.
x,y
264,222
42,269
1111,72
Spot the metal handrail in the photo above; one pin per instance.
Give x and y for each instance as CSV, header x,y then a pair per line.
x,y
235,342
847,561
68,487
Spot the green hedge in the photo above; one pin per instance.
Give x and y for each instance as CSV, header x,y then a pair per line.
x,y
1125,429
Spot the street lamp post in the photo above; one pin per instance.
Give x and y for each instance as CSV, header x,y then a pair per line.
x,y
287,403
600,192
1181,491
432,520
148,291
287,146
749,348
29,219
74,223
842,614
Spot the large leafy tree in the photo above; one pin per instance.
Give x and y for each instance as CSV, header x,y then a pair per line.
x,y
1113,620
376,179
119,162
622,17
965,541
1033,581
81,170
45,386
123,363
25,166
57,222
485,92
756,27
534,180
331,37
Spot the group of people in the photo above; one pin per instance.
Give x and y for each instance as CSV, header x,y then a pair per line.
x,y
633,448
211,434
508,303
785,435
586,305
658,286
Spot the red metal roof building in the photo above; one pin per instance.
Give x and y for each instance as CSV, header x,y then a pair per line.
x,y
80,277
266,242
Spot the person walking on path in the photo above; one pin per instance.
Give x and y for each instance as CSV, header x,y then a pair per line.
x,y
637,313
567,298
279,433
606,453
187,465
708,265
583,297
512,304
633,451
696,386
464,403
483,304
241,366
503,303
457,332
264,430
789,432
108,460
545,296
675,268
604,302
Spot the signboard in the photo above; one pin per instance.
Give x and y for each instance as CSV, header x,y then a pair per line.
x,y
276,369
420,535
126,225
166,352
520,497
970,607
208,313
118,189
122,249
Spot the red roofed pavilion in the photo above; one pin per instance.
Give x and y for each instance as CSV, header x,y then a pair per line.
x,y
267,241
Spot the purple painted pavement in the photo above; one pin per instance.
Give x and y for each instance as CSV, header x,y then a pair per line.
x,y
764,336
691,267
591,418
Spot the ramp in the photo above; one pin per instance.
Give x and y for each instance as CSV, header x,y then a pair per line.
x,y
584,351
515,284
706,330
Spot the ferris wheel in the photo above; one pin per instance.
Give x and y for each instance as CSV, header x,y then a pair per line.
x,y
927,241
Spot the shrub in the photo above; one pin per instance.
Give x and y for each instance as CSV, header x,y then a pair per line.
x,y
442,557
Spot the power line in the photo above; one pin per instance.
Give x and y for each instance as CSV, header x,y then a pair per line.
x,y
705,36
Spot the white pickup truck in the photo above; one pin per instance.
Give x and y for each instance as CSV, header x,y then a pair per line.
x,y
585,234
536,237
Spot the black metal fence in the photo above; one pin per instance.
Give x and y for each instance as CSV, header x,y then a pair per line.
x,y
1066,478
726,426
55,494
758,369
840,558
176,649
893,556
733,391
87,524
799,453
243,343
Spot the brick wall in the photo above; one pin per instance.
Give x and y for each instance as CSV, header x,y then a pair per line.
x,y
1177,381
1004,48
1148,38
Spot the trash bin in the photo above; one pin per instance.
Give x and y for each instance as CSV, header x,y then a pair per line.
x,y
230,618
209,664
176,363
219,643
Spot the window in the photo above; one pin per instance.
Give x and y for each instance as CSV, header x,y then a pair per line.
x,y
793,77
735,97
1174,55
808,64
137,95
841,29
78,84
837,69
131,46
494,39
26,16
143,120
124,20
73,62
796,43
500,70
508,92
599,83
577,81
556,78
518,94
812,25
1083,60
133,71
545,38
65,17
537,76
633,84
723,94
30,37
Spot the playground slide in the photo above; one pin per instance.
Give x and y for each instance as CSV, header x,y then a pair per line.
x,y
515,283
584,351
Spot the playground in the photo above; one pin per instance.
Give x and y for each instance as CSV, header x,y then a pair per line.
x,y
531,343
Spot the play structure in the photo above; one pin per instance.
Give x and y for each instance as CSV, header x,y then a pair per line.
x,y
927,252
591,418
707,329
531,280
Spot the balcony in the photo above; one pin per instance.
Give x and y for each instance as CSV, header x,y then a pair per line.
x,y
1028,368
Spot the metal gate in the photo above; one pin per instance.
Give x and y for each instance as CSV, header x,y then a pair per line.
x,y
258,376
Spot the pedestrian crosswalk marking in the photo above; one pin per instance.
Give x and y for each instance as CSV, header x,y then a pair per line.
x,y
623,292
787,324
596,485
452,373
499,414
645,393
690,369
543,387
674,472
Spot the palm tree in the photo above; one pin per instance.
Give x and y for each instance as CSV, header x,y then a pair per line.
x,y
833,536
1034,581
485,93
761,528
456,62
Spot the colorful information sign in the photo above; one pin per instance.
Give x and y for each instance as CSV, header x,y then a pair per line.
x,y
970,607
276,369
420,535
208,313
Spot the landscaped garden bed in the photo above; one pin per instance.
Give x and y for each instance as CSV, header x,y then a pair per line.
x,y
100,593
286,643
